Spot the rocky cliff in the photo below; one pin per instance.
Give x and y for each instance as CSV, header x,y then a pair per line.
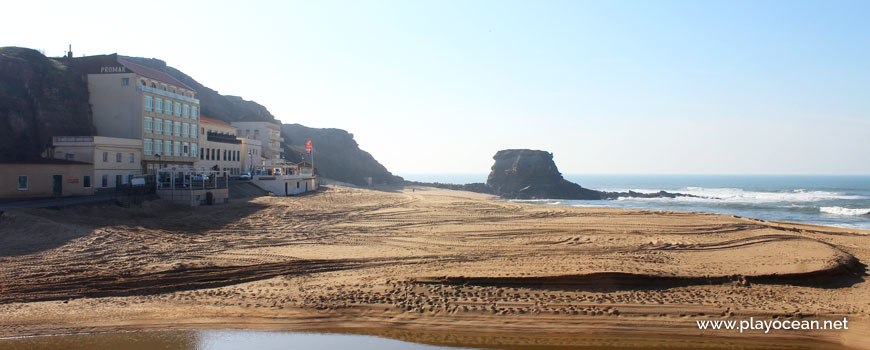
x,y
39,98
337,155
530,174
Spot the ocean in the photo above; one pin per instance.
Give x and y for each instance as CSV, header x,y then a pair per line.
x,y
842,201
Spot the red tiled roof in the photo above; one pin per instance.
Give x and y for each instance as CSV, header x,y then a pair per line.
x,y
152,73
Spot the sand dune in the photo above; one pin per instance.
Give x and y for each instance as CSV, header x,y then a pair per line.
x,y
424,260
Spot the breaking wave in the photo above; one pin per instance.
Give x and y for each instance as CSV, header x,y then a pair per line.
x,y
845,211
743,196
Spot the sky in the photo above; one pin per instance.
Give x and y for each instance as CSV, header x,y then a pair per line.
x,y
609,87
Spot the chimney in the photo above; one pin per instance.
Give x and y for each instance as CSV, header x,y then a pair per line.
x,y
69,53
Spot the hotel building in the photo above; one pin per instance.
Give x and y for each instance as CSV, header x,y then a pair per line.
x,y
268,133
132,101
220,150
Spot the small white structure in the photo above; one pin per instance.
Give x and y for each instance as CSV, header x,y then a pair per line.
x,y
286,180
190,186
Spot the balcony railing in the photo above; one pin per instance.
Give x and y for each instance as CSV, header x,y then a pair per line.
x,y
167,94
221,137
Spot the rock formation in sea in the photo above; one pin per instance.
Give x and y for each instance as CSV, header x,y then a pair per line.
x,y
531,174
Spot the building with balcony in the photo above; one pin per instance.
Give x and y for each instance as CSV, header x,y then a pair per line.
x,y
269,135
132,101
220,149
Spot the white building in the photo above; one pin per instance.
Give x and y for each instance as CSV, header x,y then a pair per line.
x,y
269,135
115,160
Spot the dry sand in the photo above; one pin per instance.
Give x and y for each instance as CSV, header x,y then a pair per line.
x,y
436,266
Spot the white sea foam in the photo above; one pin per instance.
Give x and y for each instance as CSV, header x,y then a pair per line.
x,y
845,211
742,196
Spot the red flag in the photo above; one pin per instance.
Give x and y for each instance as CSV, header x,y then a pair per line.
x,y
308,147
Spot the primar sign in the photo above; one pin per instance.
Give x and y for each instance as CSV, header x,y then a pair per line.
x,y
118,69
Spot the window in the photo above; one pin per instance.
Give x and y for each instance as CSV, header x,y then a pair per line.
x,y
86,181
125,81
225,154
194,150
69,156
172,90
105,181
158,147
105,156
148,103
153,86
142,82
177,109
177,149
132,157
22,182
118,179
149,124
118,157
212,154
186,149
168,109
186,111
185,130
158,105
158,126
176,129
147,146
194,113
167,127
193,129
167,147
163,87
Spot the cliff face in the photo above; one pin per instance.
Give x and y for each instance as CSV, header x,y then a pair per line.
x,y
213,104
39,98
530,174
337,156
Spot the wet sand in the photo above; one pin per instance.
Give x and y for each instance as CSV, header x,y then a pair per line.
x,y
428,261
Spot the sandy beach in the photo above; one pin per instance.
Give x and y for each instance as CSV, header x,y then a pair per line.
x,y
429,265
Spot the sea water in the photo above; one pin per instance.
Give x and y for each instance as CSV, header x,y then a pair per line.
x,y
842,201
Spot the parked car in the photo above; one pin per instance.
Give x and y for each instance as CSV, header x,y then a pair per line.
x,y
199,177
245,176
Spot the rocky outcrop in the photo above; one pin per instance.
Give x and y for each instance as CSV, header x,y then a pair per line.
x,y
39,98
337,157
531,174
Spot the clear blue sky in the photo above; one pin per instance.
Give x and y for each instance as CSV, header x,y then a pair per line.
x,y
688,87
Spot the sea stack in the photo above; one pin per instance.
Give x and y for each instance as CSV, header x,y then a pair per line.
x,y
532,174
